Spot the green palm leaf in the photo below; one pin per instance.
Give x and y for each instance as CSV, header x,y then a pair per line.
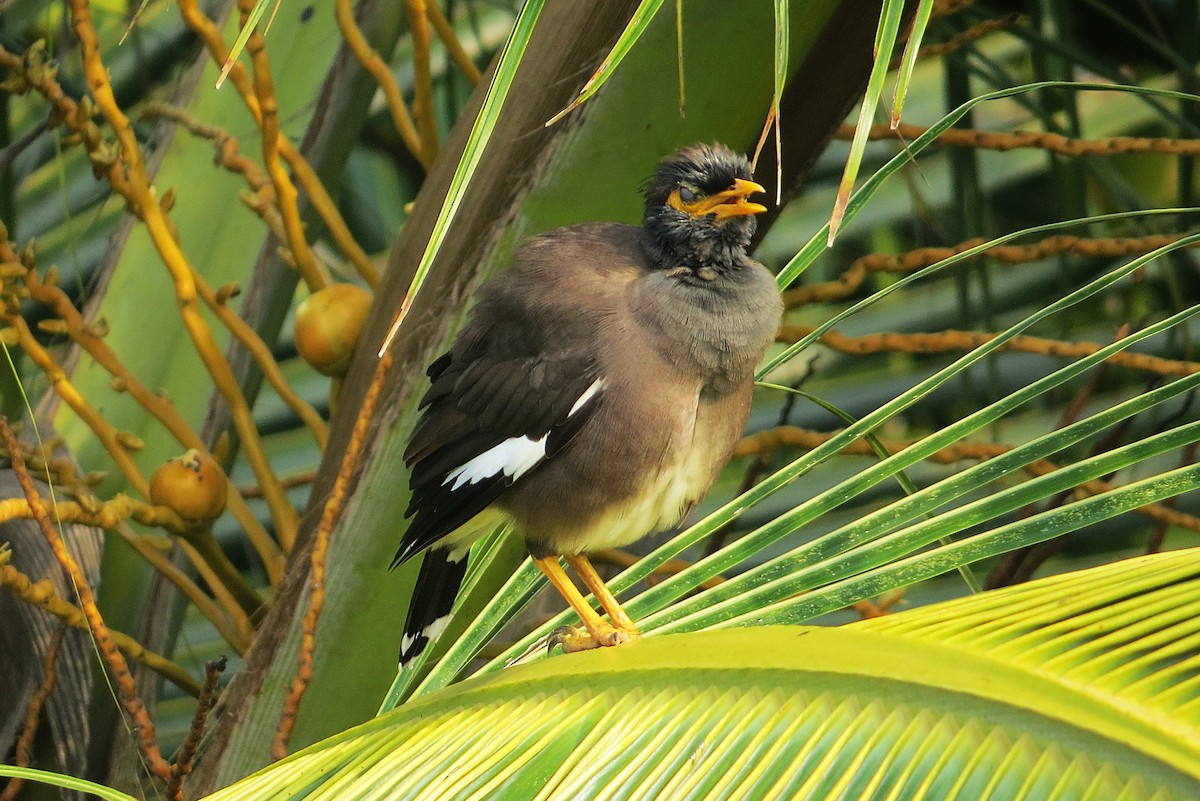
x,y
1087,694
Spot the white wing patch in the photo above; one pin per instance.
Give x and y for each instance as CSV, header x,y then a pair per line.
x,y
514,456
435,629
427,635
587,395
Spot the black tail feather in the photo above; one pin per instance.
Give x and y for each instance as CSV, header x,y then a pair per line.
x,y
432,599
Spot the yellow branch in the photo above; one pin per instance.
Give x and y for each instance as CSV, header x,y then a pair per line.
x,y
322,202
315,275
161,408
372,63
418,23
108,514
226,617
109,436
41,594
266,362
238,614
141,196
105,642
454,47
238,599
261,198
327,209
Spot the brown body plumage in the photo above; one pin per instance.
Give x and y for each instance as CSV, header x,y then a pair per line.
x,y
600,384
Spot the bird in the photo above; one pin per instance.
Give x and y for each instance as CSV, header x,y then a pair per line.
x,y
596,391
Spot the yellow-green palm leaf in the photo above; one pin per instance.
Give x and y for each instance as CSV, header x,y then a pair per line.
x,y
1081,686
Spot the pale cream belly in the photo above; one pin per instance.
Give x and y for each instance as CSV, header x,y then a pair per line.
x,y
665,500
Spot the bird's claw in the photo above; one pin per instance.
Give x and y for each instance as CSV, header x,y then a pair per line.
x,y
579,638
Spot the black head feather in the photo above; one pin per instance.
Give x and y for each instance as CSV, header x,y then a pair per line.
x,y
674,238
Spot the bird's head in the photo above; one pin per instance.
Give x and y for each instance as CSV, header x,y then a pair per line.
x,y
697,213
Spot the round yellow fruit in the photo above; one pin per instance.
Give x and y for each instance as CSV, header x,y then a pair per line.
x,y
193,485
328,324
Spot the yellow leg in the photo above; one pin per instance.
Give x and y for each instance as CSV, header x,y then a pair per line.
x,y
591,579
599,633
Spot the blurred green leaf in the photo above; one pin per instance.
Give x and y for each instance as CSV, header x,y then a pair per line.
x,y
65,782
629,37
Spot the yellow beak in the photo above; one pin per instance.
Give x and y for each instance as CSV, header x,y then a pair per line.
x,y
723,205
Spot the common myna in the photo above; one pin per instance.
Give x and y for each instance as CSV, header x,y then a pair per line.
x,y
596,392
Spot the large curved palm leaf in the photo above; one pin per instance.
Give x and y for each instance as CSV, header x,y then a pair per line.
x,y
1080,686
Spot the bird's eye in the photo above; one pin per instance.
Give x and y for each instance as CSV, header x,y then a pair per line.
x,y
687,194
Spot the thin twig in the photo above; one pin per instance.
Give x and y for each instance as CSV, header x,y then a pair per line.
x,y
266,362
24,748
848,282
329,517
1016,140
960,40
186,758
948,341
301,479
261,198
771,440
321,201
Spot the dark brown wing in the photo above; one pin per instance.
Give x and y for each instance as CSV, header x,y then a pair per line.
x,y
505,398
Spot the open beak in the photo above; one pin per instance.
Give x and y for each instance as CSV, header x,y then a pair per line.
x,y
723,205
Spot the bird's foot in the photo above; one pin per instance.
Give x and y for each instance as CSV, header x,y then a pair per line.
x,y
579,638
